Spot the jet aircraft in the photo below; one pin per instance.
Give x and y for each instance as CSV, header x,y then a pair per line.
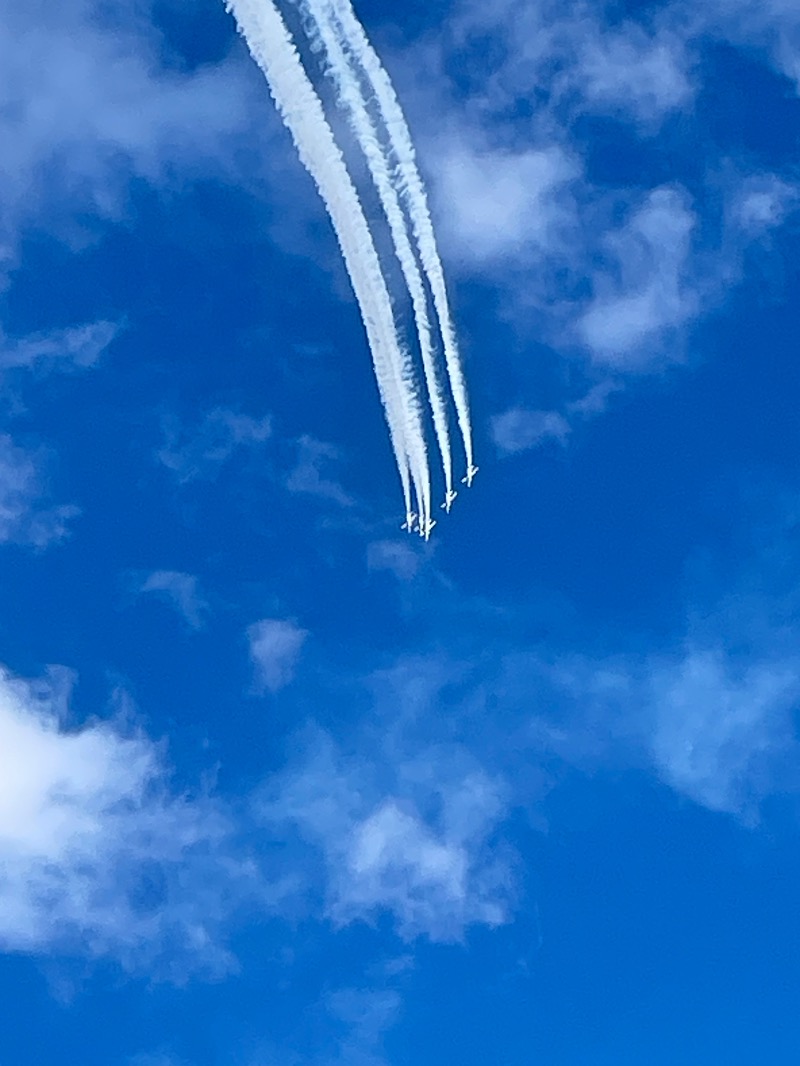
x,y
426,527
448,500
471,472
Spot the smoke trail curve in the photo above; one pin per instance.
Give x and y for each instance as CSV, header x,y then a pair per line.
x,y
413,191
271,45
322,29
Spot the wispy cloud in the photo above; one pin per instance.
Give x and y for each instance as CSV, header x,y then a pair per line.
x,y
609,268
275,647
647,292
408,837
722,728
499,203
518,429
76,347
309,475
200,450
366,1015
761,202
394,556
772,26
636,70
84,107
631,72
182,591
26,514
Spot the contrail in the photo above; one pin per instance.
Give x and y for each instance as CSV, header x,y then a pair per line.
x,y
323,28
413,192
271,45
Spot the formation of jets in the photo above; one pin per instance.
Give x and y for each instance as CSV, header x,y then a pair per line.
x,y
413,524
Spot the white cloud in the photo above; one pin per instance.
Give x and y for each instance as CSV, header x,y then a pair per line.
x,y
410,837
518,429
394,556
517,203
275,646
62,349
631,72
182,591
719,727
647,291
84,105
367,1014
772,26
200,451
26,516
98,856
307,477
761,202
499,203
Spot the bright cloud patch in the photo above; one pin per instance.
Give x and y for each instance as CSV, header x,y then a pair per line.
x,y
502,203
411,839
646,293
97,856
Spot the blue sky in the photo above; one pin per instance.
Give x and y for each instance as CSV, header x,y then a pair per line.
x,y
281,785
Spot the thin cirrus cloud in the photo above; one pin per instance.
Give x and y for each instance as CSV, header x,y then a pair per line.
x,y
763,202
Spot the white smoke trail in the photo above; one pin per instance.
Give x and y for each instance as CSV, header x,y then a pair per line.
x,y
413,192
322,28
271,45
